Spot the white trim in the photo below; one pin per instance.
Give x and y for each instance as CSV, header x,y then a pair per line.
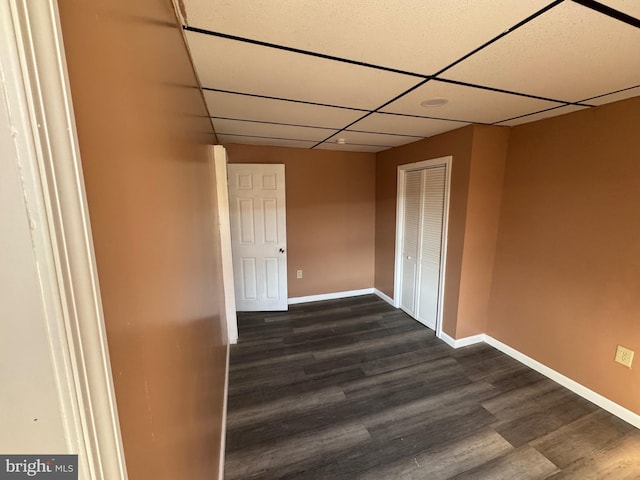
x,y
62,236
462,342
384,297
330,296
448,340
402,169
223,428
218,164
601,401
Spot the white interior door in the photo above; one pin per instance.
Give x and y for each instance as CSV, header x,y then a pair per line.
x,y
422,213
258,236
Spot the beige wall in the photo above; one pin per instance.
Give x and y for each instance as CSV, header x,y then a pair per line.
x,y
488,157
143,131
566,281
330,215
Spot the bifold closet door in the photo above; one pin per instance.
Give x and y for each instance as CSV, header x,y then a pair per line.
x,y
430,245
423,213
411,239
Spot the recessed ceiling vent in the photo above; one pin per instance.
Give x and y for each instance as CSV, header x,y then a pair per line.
x,y
434,102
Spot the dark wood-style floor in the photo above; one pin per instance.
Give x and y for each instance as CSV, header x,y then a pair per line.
x,y
354,389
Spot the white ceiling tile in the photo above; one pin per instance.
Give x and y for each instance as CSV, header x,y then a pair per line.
x,y
568,53
614,97
225,139
236,127
541,115
263,109
363,138
236,66
414,35
466,103
388,123
351,148
630,7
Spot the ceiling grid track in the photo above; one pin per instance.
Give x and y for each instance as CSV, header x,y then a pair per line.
x,y
366,122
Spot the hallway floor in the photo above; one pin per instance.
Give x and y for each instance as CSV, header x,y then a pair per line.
x,y
354,389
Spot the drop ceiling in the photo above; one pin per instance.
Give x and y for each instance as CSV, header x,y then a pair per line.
x,y
305,73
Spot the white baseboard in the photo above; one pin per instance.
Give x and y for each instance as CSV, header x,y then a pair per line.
x,y
223,432
599,400
384,297
462,342
603,402
330,296
448,340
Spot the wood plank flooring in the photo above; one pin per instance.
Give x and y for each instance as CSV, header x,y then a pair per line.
x,y
355,389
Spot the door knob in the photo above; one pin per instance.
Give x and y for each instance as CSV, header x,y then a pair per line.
x,y
282,250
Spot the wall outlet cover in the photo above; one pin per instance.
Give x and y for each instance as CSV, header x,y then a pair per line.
x,y
624,356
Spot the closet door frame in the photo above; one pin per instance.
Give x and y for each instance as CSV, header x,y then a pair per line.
x,y
397,287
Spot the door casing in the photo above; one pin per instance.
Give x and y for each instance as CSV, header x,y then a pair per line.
x,y
402,170
218,166
37,90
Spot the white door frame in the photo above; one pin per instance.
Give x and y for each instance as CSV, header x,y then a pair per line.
x,y
36,86
397,281
218,164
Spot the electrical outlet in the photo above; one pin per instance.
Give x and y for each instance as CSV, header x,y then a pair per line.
x,y
299,274
624,356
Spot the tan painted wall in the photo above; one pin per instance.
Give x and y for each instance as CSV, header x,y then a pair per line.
x,y
457,143
567,272
330,215
488,157
142,128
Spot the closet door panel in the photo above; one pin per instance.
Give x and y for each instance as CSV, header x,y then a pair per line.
x,y
411,241
429,252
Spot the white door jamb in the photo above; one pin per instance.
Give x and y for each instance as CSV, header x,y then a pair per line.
x,y
35,81
218,160
397,281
